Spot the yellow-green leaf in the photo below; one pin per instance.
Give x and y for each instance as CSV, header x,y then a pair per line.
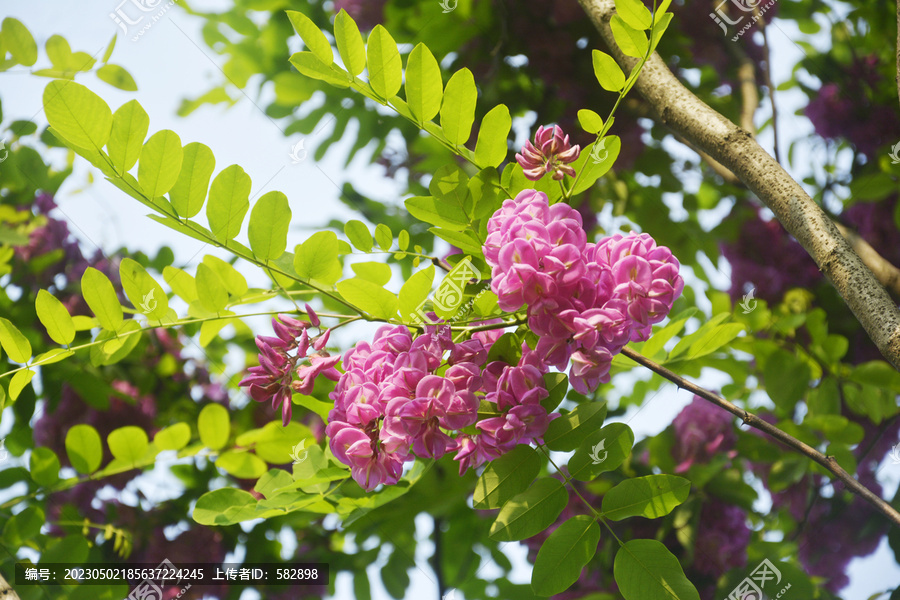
x,y
160,163
79,115
129,128
55,318
16,345
229,200
189,191
101,297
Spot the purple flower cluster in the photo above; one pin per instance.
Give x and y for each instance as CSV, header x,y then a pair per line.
x,y
701,431
585,300
398,399
550,153
722,538
274,377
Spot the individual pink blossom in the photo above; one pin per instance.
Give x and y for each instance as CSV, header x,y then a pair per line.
x,y
551,153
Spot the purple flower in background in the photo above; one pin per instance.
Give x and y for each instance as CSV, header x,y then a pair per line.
x,y
366,13
722,538
702,430
550,153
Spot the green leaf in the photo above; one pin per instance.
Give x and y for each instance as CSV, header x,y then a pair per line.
x,y
458,107
129,128
312,36
506,476
18,41
117,77
181,283
229,200
225,506
214,426
651,497
242,465
214,296
376,272
631,42
160,163
877,373
22,527
371,298
384,237
634,13
385,64
173,437
414,292
77,114
101,297
18,382
568,431
310,65
564,554
424,87
590,121
442,214
128,444
491,148
316,259
646,570
84,448
358,234
530,512
55,317
786,377
601,451
608,73
349,43
44,466
269,223
464,240
16,345
189,192
594,164
145,293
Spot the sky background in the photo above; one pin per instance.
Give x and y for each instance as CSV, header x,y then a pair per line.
x,y
170,63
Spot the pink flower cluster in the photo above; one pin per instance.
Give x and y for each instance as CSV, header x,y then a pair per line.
x,y
279,356
585,300
551,153
401,397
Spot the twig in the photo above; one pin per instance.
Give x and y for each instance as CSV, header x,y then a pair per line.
x,y
767,74
682,111
754,421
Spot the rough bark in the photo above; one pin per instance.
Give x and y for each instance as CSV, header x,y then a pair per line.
x,y
734,148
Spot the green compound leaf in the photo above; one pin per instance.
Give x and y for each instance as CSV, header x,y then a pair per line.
x,y
312,36
506,476
100,295
145,293
385,64
214,426
414,292
424,87
646,570
189,192
569,430
84,448
491,147
631,41
269,223
126,139
225,506
316,259
160,163
458,107
349,43
372,298
601,451
564,554
229,200
530,512
77,114
16,345
651,497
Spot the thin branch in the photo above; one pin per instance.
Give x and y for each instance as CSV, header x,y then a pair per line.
x,y
785,438
767,75
685,113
